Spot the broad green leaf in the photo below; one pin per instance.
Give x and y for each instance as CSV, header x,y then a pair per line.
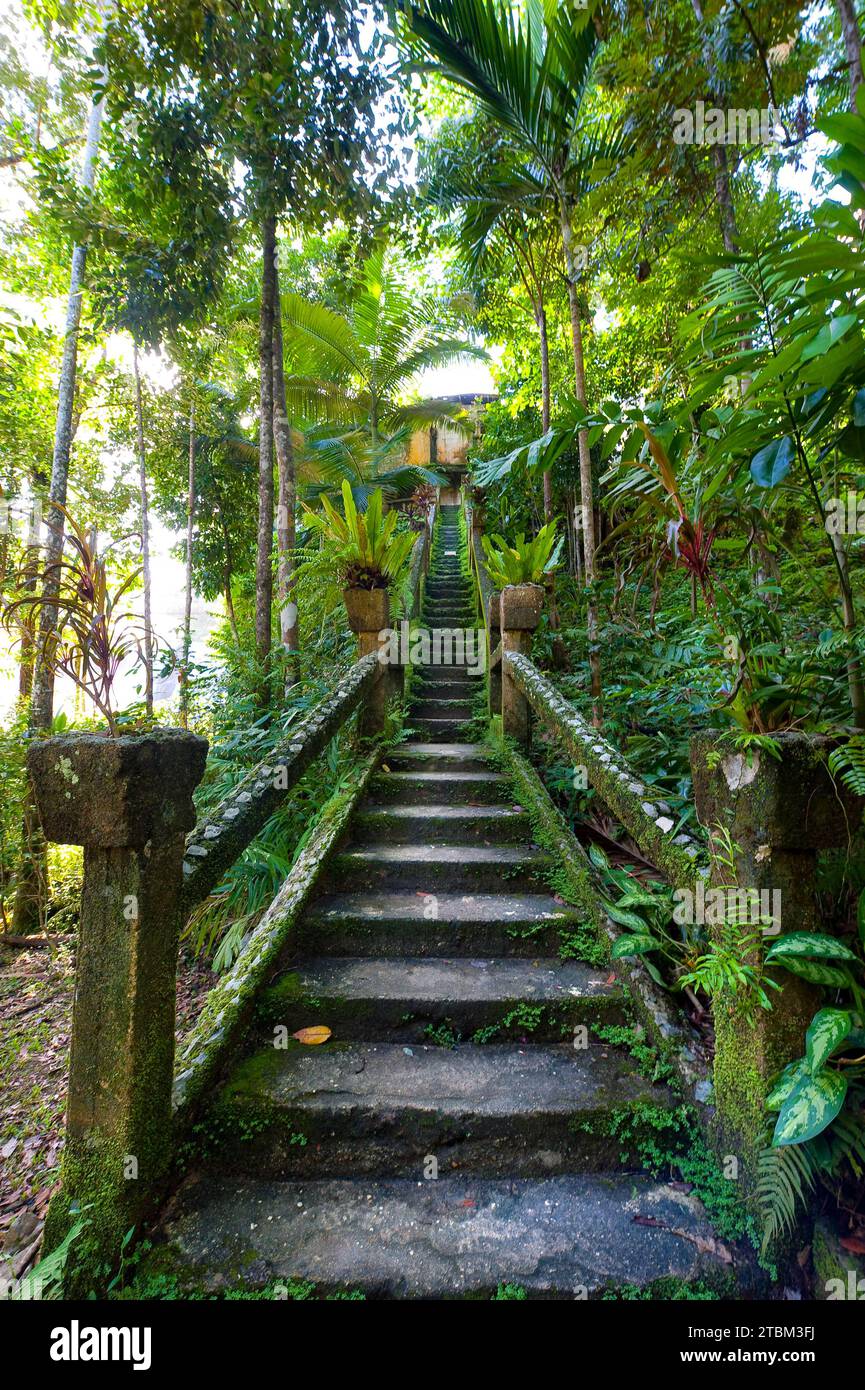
x,y
637,898
818,972
843,128
827,1029
598,858
625,919
808,944
812,1104
789,1077
633,945
771,465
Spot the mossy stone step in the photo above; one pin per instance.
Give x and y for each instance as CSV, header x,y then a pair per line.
x,y
432,708
450,673
564,1238
433,824
383,1107
419,788
438,729
448,924
443,689
369,998
439,868
419,756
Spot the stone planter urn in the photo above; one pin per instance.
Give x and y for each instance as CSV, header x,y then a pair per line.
x,y
128,801
780,813
368,610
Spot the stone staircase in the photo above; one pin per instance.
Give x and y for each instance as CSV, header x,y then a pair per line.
x,y
449,1138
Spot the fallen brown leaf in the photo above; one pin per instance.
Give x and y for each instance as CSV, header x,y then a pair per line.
x,y
312,1036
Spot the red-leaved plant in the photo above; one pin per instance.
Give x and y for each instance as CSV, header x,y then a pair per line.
x,y
81,626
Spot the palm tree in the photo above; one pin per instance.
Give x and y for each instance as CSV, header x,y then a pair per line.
x,y
531,73
502,222
355,368
329,455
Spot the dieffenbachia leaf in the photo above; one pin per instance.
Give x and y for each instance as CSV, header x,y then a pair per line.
x,y
632,944
827,1029
809,945
811,1105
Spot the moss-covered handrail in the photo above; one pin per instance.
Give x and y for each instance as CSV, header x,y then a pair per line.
x,y
218,840
415,582
485,585
419,564
648,821
228,1006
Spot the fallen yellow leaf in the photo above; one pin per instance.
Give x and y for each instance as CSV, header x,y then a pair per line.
x,y
313,1036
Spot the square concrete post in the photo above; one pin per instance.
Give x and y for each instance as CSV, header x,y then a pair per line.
x,y
369,618
128,801
520,608
779,812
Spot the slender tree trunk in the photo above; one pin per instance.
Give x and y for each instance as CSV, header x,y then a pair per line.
x,y
852,45
286,501
541,319
145,539
187,593
32,880
42,703
229,608
587,498
855,683
264,568
560,655
724,195
723,186
853,50
31,569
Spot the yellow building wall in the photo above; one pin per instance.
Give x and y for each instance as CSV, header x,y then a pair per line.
x,y
451,449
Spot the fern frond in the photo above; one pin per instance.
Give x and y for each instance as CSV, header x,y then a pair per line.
x,y
848,762
784,1178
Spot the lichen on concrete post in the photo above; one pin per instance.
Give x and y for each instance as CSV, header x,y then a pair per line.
x,y
779,811
128,802
520,609
368,617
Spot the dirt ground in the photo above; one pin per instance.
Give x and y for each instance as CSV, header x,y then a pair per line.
x,y
36,989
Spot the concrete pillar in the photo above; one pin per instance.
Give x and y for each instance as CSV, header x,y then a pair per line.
x,y
128,801
520,607
369,618
494,681
779,813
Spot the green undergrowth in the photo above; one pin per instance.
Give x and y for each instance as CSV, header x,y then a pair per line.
x,y
662,1291
650,1061
668,1142
156,1274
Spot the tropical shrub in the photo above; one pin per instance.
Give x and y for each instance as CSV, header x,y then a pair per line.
x,y
524,562
368,550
